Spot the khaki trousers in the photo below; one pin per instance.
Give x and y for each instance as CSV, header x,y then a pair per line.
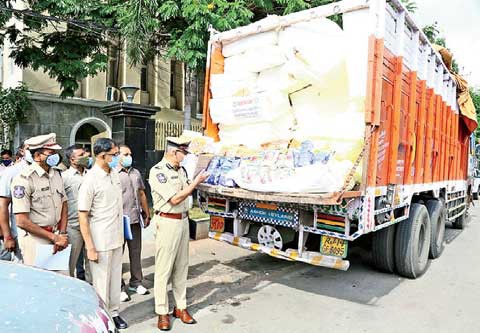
x,y
106,276
171,261
76,240
28,245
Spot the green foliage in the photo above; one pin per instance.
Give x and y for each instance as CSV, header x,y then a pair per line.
x,y
433,35
410,5
68,43
71,41
14,103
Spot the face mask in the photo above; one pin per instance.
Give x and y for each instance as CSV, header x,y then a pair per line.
x,y
7,162
83,161
127,161
53,160
28,156
90,162
113,164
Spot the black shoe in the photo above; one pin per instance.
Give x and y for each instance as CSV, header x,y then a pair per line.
x,y
120,323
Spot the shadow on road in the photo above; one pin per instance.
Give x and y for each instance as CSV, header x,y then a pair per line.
x,y
251,273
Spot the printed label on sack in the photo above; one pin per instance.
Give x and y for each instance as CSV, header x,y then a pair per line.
x,y
246,107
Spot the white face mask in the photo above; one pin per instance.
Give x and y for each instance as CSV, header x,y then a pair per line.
x,y
28,156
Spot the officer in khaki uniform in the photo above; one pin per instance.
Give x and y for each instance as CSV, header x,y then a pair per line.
x,y
39,201
170,189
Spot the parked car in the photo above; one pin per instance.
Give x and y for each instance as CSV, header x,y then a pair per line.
x,y
35,300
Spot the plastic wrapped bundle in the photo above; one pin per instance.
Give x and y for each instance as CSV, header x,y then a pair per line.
x,y
231,85
250,42
254,108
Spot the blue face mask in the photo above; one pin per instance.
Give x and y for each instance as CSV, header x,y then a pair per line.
x,y
28,156
90,162
127,161
7,162
53,160
113,164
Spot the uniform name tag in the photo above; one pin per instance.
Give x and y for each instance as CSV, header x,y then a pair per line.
x,y
174,177
45,188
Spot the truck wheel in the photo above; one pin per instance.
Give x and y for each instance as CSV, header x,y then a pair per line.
x,y
459,222
475,195
437,212
383,246
412,243
270,237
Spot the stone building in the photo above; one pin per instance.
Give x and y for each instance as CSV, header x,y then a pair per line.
x,y
162,85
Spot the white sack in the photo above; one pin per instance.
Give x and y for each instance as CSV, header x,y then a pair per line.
x,y
250,42
255,60
258,107
230,85
279,78
316,178
255,134
315,49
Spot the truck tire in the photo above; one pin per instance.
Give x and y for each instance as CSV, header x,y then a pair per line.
x,y
412,243
383,246
436,210
459,222
475,195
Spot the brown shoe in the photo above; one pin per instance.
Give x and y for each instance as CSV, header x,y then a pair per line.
x,y
184,316
164,322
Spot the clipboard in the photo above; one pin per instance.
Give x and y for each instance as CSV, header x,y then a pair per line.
x,y
127,231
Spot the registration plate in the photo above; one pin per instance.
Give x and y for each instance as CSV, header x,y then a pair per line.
x,y
217,223
331,246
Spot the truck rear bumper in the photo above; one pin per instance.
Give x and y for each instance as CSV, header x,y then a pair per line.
x,y
312,258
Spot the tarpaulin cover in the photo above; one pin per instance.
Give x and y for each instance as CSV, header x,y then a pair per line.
x,y
465,102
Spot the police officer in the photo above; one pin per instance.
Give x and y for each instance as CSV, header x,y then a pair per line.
x,y
39,201
170,189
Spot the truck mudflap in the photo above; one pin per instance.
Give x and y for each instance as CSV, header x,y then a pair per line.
x,y
308,257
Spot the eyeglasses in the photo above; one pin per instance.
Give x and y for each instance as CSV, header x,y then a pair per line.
x,y
115,154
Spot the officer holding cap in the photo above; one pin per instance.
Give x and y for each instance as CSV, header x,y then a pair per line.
x,y
170,189
39,201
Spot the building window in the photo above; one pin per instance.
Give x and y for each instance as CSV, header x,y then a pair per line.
x,y
172,78
112,71
143,78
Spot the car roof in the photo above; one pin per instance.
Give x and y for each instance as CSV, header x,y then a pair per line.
x,y
37,300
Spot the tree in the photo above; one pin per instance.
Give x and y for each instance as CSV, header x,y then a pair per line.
x,y
71,41
433,34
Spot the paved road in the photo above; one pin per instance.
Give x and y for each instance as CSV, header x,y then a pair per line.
x,y
234,290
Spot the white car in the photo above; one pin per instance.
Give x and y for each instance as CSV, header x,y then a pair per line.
x,y
35,300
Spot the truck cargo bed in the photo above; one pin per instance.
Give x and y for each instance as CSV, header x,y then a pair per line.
x,y
295,198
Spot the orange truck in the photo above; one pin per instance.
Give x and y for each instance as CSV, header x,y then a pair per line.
x,y
413,158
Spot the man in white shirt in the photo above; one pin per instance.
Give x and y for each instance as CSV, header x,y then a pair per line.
x,y
100,209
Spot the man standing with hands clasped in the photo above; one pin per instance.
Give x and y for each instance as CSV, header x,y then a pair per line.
x,y
39,201
170,189
100,214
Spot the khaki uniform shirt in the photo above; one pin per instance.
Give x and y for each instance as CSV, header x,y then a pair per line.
x,y
166,181
39,193
101,195
72,179
132,182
